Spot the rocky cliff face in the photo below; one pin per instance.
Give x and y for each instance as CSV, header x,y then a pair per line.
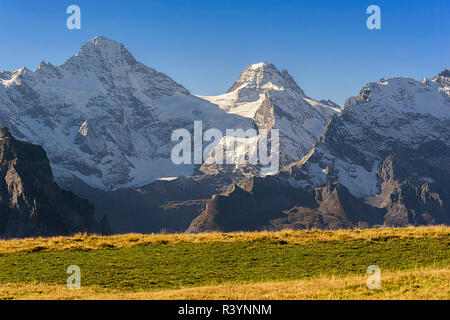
x,y
31,204
383,161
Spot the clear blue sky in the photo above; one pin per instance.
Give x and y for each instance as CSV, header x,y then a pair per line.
x,y
205,44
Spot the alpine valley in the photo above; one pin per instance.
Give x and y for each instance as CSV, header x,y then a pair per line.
x,y
106,120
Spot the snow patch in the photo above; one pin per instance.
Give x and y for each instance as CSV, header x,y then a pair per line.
x,y
359,181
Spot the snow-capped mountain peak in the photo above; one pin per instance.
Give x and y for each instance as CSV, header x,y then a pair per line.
x,y
265,76
399,117
273,100
97,115
443,78
400,94
104,50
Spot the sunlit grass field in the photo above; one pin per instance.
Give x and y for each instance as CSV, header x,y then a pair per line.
x,y
414,263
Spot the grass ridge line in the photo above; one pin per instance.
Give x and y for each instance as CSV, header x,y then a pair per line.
x,y
95,242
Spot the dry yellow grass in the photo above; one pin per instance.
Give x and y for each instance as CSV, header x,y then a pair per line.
x,y
92,242
417,284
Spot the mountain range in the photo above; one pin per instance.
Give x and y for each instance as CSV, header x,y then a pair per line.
x,y
384,160
105,120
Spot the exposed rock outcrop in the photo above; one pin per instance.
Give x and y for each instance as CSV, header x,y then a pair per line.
x,y
31,203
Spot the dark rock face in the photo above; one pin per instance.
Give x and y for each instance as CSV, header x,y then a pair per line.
x,y
161,206
31,204
249,207
409,201
272,204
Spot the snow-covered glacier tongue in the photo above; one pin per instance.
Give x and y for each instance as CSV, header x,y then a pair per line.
x,y
103,117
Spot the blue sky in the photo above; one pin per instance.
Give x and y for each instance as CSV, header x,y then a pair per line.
x,y
205,44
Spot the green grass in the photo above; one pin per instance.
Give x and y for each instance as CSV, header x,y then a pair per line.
x,y
179,265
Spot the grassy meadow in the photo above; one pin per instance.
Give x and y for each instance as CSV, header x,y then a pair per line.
x,y
414,263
